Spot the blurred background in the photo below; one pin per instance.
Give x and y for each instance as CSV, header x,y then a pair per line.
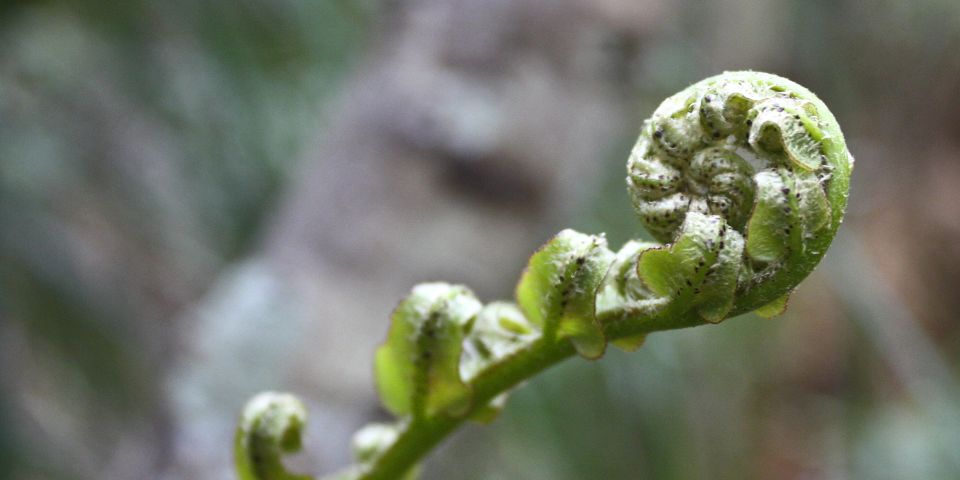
x,y
203,199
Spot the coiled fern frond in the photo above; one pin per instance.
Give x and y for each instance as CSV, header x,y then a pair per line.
x,y
744,179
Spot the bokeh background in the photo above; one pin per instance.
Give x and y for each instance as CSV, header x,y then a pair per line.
x,y
203,199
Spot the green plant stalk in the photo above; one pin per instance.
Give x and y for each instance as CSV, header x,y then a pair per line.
x,y
421,435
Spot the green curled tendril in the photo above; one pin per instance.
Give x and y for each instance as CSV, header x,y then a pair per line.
x,y
270,426
744,179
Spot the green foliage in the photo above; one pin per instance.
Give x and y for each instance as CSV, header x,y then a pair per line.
x,y
271,425
497,332
773,308
700,269
744,178
418,368
558,290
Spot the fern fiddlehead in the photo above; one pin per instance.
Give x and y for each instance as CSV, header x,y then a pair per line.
x,y
744,178
271,425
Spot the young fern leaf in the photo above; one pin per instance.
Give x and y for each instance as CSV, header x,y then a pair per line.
x,y
790,208
271,425
418,368
773,308
742,177
498,331
622,288
784,125
558,290
759,151
699,269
